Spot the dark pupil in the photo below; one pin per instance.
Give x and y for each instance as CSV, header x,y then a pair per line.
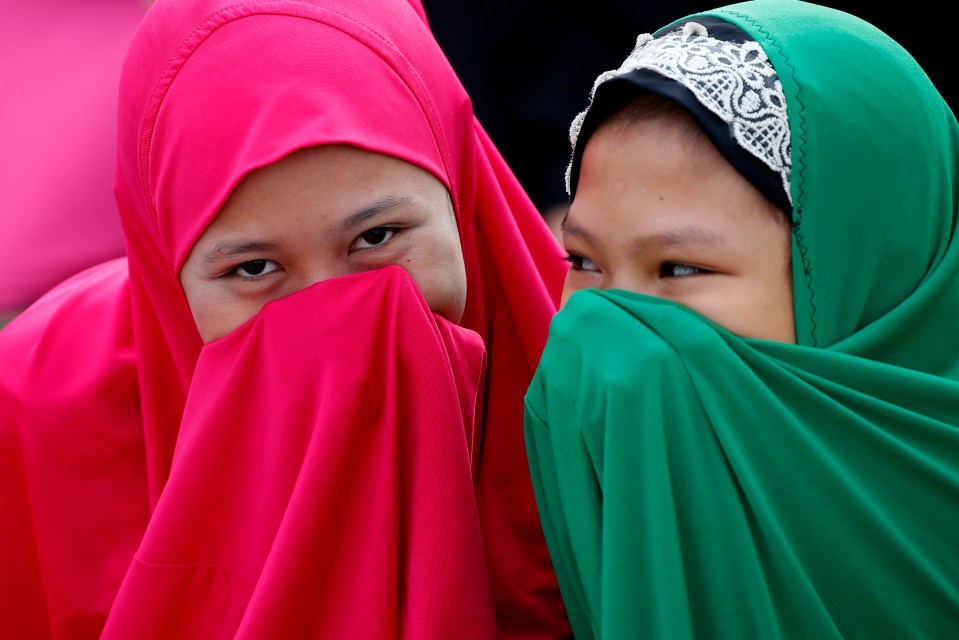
x,y
375,236
254,267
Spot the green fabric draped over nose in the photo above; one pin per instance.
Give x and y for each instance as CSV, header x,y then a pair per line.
x,y
695,484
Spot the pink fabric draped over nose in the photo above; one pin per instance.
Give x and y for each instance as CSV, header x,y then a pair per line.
x,y
343,465
357,519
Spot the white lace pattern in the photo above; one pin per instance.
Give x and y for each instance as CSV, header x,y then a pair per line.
x,y
735,81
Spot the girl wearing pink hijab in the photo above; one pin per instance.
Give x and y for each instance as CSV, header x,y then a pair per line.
x,y
294,410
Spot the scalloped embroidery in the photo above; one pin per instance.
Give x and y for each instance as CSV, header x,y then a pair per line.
x,y
735,81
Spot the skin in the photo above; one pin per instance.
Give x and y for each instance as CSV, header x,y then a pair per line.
x,y
316,214
659,211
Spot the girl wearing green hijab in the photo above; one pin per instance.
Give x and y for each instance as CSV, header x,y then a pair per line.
x,y
745,423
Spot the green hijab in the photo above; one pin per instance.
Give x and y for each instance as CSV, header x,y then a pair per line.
x,y
694,484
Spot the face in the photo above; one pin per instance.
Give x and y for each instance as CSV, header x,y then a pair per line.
x,y
659,211
320,213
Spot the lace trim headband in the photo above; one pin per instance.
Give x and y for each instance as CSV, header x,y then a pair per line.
x,y
733,80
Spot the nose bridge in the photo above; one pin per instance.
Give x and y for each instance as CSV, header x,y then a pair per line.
x,y
322,268
629,278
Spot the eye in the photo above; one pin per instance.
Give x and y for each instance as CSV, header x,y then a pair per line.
x,y
677,270
253,269
374,237
581,264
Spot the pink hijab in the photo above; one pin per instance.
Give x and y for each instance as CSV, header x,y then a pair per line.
x,y
345,464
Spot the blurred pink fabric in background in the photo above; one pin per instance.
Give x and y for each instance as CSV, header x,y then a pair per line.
x,y
59,72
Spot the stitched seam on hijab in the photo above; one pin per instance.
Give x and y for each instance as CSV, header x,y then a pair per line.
x,y
421,96
800,173
231,14
191,563
529,407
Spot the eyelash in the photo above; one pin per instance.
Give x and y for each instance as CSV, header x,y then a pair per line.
x,y
391,230
665,268
577,262
233,272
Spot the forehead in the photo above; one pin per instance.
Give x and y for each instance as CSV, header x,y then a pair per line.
x,y
652,152
662,171
327,182
341,170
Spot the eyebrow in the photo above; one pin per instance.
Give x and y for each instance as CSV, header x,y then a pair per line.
x,y
685,236
573,229
229,249
385,204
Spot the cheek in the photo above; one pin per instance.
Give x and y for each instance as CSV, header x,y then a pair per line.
x,y
774,302
781,312
439,272
215,313
575,281
750,309
216,320
567,292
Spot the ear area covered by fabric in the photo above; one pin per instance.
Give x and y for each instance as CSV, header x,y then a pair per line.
x,y
874,153
702,487
399,532
800,489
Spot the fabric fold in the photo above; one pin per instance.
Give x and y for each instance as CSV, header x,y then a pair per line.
x,y
120,413
696,484
352,483
706,500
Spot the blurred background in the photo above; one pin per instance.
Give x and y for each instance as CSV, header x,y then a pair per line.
x,y
527,64
59,74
